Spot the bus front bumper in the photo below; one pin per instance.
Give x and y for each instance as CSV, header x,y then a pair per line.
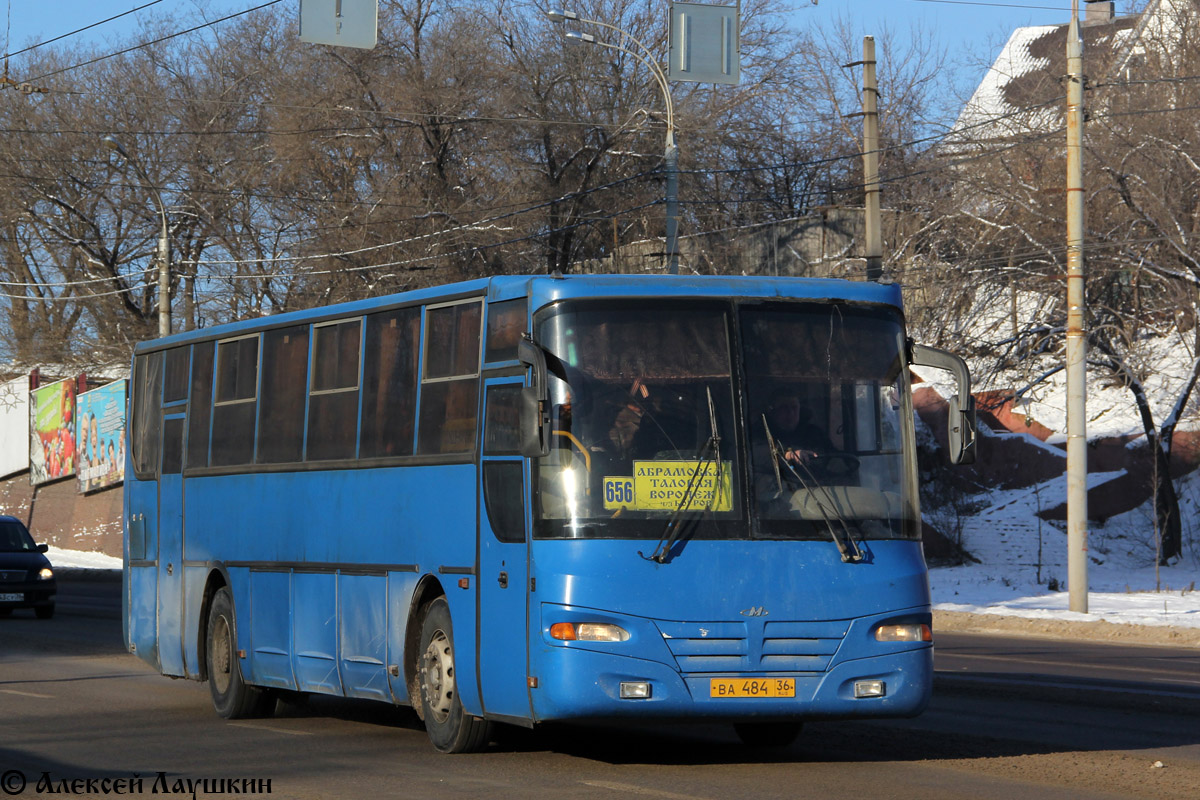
x,y
576,684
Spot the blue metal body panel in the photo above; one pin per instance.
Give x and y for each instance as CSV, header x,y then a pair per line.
x,y
727,608
141,573
170,574
362,612
315,615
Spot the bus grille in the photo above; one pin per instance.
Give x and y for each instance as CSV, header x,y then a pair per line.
x,y
702,647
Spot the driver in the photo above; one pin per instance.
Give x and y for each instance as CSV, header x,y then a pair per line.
x,y
797,439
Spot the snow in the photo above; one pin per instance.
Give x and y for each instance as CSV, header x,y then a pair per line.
x,y
1124,584
78,559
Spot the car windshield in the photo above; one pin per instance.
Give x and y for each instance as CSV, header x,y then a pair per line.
x,y
802,430
14,538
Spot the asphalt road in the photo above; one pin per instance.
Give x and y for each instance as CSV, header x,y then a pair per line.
x,y
1011,718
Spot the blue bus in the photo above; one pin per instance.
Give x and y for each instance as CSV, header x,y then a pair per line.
x,y
531,499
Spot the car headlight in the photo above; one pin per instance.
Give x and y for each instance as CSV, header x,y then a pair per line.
x,y
45,574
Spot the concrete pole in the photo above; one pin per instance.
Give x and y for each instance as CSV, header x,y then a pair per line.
x,y
873,246
164,279
1077,550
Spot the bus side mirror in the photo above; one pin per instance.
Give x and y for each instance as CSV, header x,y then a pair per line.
x,y
535,402
962,429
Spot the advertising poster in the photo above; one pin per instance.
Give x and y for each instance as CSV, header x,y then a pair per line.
x,y
52,432
14,425
100,437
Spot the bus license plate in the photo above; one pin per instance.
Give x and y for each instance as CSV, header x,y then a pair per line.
x,y
11,598
752,687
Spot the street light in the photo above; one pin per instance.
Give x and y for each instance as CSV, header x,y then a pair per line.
x,y
670,153
164,243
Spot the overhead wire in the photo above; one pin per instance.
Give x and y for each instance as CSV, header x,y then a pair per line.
x,y
77,30
152,42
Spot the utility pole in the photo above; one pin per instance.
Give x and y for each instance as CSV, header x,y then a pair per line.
x,y
1077,550
873,246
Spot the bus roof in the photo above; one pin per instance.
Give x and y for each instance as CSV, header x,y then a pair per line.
x,y
545,289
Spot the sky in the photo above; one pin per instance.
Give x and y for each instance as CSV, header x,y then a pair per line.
x,y
972,30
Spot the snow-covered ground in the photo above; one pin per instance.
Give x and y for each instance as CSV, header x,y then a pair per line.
x,y
1006,534
77,559
1124,585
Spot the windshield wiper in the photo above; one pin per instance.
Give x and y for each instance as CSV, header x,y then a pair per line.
x,y
710,454
849,549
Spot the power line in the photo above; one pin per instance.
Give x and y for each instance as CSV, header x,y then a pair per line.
x,y
153,42
81,30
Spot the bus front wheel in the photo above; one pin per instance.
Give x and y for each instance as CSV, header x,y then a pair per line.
x,y
450,728
232,697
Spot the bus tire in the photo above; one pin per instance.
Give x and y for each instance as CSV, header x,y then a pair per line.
x,y
767,734
232,698
450,729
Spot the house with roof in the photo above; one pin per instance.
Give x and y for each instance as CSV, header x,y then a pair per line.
x,y
1022,94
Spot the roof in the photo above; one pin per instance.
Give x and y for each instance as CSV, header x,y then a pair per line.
x,y
543,289
1023,93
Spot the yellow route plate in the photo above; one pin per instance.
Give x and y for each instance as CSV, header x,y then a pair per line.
x,y
752,687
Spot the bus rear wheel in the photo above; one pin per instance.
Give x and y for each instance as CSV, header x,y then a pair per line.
x,y
767,734
450,729
232,697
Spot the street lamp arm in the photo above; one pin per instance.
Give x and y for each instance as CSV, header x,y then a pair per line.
x,y
646,57
671,152
654,68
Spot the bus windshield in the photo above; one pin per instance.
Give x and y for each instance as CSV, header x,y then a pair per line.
x,y
648,425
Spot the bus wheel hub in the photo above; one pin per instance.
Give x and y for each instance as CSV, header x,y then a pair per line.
x,y
437,669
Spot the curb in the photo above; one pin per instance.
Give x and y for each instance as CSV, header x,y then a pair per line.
x,y
1100,631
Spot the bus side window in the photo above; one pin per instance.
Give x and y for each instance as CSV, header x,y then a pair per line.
x,y
236,399
333,395
281,405
449,389
389,407
505,324
175,380
200,405
147,389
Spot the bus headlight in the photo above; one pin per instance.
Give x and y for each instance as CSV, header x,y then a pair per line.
x,y
904,632
588,632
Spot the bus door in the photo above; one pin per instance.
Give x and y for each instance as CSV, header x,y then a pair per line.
x,y
503,556
170,545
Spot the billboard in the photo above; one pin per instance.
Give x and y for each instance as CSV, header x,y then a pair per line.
x,y
52,432
100,437
14,425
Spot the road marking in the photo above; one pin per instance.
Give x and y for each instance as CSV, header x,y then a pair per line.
x,y
269,729
630,788
28,694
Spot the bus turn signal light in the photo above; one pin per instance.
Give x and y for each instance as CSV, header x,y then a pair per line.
x,y
588,632
907,632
